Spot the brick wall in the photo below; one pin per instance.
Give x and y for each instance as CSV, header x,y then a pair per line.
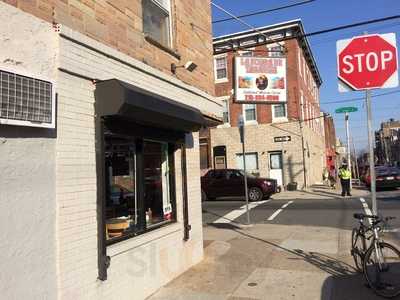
x,y
118,24
299,81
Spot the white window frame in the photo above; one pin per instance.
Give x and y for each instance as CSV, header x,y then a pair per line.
x,y
225,99
249,122
169,11
225,79
270,46
279,119
248,50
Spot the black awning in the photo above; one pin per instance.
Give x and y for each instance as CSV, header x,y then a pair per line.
x,y
118,98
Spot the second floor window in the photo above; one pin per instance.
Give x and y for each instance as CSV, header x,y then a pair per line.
x,y
279,111
156,20
220,68
225,112
249,112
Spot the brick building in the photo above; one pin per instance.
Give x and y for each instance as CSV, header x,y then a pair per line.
x,y
330,142
387,143
99,124
275,134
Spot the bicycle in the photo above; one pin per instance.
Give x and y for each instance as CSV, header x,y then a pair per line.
x,y
380,261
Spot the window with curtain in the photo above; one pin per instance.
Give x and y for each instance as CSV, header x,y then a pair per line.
x,y
279,111
249,112
220,68
225,111
156,20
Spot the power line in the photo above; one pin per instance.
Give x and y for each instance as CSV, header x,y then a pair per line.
x,y
243,22
270,41
350,26
360,98
264,11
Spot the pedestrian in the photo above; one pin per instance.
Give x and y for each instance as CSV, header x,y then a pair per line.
x,y
345,177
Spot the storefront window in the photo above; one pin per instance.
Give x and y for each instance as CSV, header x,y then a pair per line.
x,y
156,193
121,204
129,212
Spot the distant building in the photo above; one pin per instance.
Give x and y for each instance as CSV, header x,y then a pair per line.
x,y
284,141
387,143
330,142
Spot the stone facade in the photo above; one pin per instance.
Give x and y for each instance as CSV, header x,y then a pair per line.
x,y
119,25
260,139
54,253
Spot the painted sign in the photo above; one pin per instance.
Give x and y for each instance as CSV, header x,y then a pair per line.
x,y
260,79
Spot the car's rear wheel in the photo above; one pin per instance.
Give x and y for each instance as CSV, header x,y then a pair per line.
x,y
255,194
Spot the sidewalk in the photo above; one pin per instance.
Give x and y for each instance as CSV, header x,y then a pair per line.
x,y
269,261
319,192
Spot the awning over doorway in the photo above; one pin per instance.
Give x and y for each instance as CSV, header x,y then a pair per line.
x,y
121,99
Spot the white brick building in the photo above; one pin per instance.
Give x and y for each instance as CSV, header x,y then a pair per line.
x,y
57,197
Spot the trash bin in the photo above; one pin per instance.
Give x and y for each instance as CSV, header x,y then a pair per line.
x,y
292,186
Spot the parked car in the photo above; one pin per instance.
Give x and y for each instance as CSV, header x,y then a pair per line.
x,y
386,177
230,183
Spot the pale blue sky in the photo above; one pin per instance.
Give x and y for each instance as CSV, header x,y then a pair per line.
x,y
318,15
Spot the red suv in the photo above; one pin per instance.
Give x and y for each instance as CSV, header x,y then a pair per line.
x,y
230,183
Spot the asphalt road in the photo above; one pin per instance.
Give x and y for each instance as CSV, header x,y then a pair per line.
x,y
329,210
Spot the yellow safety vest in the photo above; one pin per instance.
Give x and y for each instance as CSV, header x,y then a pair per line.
x,y
344,174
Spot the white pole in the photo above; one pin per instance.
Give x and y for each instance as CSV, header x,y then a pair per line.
x,y
346,117
371,153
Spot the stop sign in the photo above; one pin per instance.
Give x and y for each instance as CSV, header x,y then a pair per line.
x,y
367,62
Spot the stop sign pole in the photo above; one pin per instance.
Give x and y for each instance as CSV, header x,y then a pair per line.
x,y
364,63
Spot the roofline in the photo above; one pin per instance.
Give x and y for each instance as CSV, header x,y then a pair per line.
x,y
245,32
292,23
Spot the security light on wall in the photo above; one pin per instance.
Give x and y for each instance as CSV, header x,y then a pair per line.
x,y
190,66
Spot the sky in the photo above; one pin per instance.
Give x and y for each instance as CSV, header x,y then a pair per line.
x,y
319,15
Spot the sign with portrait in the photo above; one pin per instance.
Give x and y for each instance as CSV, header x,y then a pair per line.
x,y
260,79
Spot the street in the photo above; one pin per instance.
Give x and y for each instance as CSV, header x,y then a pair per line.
x,y
320,207
298,247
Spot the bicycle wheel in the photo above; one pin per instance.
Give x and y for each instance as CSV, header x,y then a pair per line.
x,y
357,249
382,270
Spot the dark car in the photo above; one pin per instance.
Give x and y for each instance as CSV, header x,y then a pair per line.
x,y
386,177
230,183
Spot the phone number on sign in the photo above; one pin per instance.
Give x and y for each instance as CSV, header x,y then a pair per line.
x,y
261,97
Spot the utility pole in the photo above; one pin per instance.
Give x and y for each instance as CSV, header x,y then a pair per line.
x,y
346,118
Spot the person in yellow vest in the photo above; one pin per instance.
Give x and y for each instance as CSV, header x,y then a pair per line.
x,y
345,177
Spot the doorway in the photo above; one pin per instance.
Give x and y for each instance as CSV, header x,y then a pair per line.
x,y
276,167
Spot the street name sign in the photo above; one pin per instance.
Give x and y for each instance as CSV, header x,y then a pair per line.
x,y
367,62
286,138
348,109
